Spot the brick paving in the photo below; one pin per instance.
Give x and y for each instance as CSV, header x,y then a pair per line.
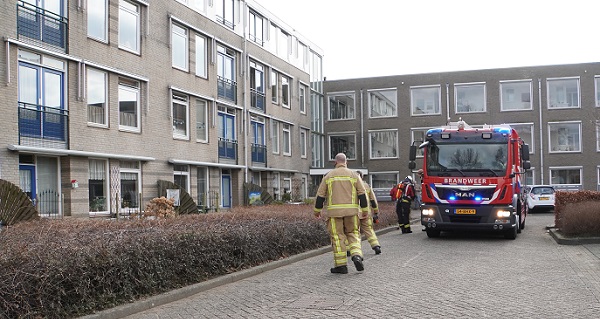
x,y
454,276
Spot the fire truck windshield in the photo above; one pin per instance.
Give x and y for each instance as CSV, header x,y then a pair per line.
x,y
466,159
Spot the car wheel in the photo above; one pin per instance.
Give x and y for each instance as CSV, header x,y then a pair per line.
x,y
433,233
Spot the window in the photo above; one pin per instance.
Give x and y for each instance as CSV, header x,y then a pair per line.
x,y
274,87
226,85
563,93
179,47
96,97
285,91
564,136
257,139
284,45
425,100
303,142
257,86
225,12
129,26
227,133
565,176
198,5
515,95
597,87
275,136
255,27
302,98
181,176
418,136
302,56
341,106
201,56
383,180
525,131
201,121
383,103
98,186
342,143
130,186
129,105
180,116
97,20
202,185
383,144
287,139
469,98
44,21
598,136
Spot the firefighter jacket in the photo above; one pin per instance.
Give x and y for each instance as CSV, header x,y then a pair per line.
x,y
372,199
409,192
342,193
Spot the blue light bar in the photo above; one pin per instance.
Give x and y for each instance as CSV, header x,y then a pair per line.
x,y
452,198
503,130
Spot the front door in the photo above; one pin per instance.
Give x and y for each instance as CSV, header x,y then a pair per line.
x,y
226,188
27,181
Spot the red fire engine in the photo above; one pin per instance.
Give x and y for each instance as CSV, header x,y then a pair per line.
x,y
471,179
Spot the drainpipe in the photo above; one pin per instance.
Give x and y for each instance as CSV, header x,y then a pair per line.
x,y
541,132
362,134
244,95
448,102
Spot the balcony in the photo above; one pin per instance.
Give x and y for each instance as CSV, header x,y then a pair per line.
x,y
257,99
258,154
227,149
43,126
41,27
226,89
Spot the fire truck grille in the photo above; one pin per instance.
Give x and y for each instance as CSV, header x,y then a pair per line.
x,y
465,219
447,193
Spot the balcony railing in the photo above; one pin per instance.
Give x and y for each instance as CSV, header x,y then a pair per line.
x,y
257,99
43,122
258,153
41,26
226,89
227,148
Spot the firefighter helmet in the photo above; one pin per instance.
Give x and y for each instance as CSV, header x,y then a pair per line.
x,y
408,179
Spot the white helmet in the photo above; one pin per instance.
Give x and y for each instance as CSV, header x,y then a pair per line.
x,y
409,179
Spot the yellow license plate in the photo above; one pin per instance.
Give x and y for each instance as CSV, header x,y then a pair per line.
x,y
462,211
544,198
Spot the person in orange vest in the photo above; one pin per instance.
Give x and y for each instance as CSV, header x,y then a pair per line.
x,y
404,195
346,198
366,223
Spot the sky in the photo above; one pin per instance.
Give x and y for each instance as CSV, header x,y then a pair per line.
x,y
395,37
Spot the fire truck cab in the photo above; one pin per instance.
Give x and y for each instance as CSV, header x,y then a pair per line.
x,y
471,179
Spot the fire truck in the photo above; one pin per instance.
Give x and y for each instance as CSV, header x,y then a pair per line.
x,y
471,179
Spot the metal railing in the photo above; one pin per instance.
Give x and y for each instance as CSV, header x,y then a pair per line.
x,y
227,148
43,122
226,89
257,99
41,26
258,153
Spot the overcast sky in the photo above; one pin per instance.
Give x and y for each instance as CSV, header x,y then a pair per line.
x,y
392,37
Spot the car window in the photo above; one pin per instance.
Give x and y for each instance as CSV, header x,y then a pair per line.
x,y
543,191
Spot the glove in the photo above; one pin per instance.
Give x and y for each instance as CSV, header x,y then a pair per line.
x,y
375,218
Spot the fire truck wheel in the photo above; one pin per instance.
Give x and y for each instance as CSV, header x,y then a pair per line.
x,y
433,233
511,233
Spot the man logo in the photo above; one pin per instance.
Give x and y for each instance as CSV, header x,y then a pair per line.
x,y
464,194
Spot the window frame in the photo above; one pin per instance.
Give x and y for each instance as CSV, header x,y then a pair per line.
x,y
302,98
351,145
121,27
104,74
460,86
201,54
552,149
286,136
286,86
504,95
182,33
350,95
181,100
274,83
383,140
549,92
275,136
303,143
128,85
437,102
377,93
202,106
93,8
552,169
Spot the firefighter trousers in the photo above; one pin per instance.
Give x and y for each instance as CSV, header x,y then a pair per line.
x,y
344,230
366,228
403,212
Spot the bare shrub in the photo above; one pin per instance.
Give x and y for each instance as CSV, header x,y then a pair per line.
x,y
160,207
581,218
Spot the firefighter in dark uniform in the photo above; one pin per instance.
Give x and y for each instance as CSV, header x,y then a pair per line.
x,y
403,204
343,194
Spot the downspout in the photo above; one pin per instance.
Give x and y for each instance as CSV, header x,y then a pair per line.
x,y
244,95
541,132
448,103
362,134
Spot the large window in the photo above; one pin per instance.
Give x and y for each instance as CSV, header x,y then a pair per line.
x,y
225,12
597,88
201,56
129,26
341,106
425,100
130,186
383,144
180,116
383,180
257,86
342,143
285,91
303,142
201,121
515,95
469,98
181,176
129,105
525,131
202,185
226,85
565,176
275,136
564,136
383,103
284,45
274,87
179,47
98,186
287,139
302,89
96,97
563,93
97,20
256,25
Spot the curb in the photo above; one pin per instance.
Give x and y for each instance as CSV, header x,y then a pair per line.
x,y
188,291
563,240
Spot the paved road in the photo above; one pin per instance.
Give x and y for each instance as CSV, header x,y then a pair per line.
x,y
454,276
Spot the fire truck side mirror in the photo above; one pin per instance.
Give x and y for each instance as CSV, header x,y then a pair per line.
x,y
525,152
412,165
412,154
526,165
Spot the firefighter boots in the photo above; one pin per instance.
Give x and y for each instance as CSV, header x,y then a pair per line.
x,y
357,260
339,270
377,250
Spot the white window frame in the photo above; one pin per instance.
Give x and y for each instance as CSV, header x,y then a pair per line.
x,y
181,100
566,168
94,10
91,77
123,9
186,173
274,83
428,102
201,56
181,33
303,142
201,106
136,90
302,89
138,172
505,97
458,87
106,186
384,102
275,136
352,147
383,139
287,139
562,148
256,36
562,104
350,113
286,85
386,187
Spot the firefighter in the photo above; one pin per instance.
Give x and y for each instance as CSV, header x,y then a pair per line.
x,y
406,194
366,223
346,199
